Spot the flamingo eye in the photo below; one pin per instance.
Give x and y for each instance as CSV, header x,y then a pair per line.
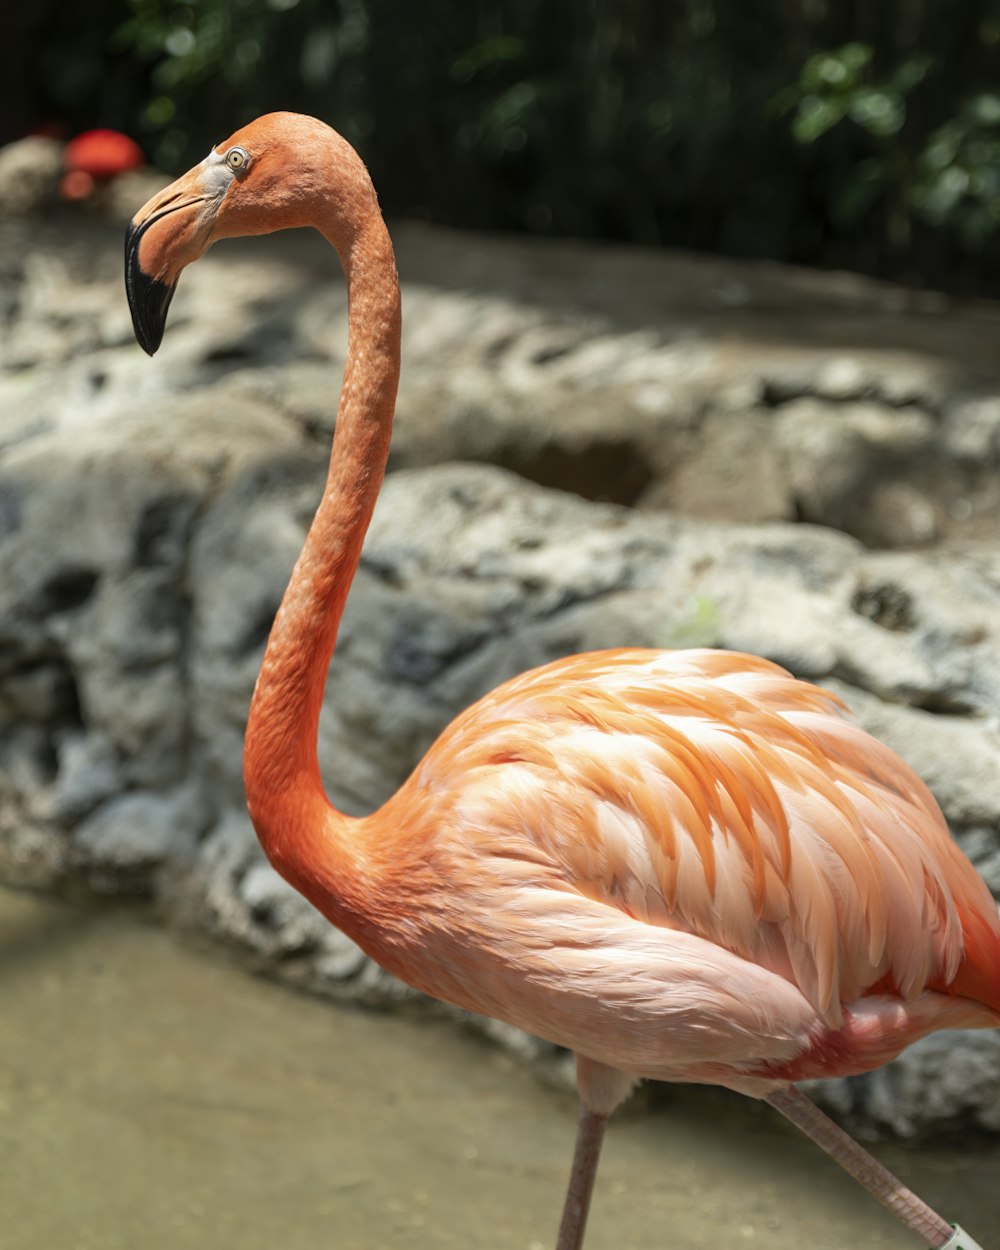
x,y
238,159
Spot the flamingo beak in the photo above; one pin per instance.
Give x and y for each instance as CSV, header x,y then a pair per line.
x,y
168,232
148,297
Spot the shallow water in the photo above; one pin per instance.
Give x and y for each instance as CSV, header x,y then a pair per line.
x,y
154,1097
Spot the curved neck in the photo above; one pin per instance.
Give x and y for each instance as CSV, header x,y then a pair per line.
x,y
280,768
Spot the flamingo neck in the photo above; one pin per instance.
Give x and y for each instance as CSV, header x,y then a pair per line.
x,y
284,790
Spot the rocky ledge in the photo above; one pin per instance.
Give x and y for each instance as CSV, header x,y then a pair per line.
x,y
657,451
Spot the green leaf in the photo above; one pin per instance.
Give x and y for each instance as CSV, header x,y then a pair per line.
x,y
878,111
937,198
984,109
159,112
911,73
816,116
700,626
943,146
840,69
856,56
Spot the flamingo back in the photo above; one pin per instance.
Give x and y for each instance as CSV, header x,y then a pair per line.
x,y
712,793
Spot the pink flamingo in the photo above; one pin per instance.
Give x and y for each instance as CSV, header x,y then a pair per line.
x,y
685,866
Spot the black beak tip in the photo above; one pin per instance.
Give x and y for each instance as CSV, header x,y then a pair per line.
x,y
148,298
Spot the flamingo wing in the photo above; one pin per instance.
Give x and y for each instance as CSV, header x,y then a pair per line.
x,y
712,794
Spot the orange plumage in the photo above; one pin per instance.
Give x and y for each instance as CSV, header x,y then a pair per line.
x,y
649,798
680,865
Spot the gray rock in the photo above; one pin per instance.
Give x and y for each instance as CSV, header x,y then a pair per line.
x,y
971,430
239,898
150,515
89,772
133,834
942,1084
851,467
935,1086
29,175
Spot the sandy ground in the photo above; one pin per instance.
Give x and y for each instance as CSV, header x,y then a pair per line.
x,y
151,1096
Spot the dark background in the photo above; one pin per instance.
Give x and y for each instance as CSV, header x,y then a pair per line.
x,y
852,133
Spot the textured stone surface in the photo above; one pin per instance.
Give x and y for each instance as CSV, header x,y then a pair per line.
x,y
29,174
150,514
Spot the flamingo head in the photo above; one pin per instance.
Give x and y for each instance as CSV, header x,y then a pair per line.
x,y
280,171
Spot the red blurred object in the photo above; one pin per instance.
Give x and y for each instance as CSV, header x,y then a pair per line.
x,y
102,154
75,184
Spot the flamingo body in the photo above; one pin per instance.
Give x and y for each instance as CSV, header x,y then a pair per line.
x,y
688,865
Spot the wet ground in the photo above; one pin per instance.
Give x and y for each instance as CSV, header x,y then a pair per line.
x,y
154,1097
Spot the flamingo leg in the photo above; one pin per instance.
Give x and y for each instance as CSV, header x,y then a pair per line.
x,y
865,1168
589,1138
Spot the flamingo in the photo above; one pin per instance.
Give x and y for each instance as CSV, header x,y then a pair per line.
x,y
679,865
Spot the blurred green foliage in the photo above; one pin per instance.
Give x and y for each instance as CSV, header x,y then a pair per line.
x,y
957,182
837,132
949,178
